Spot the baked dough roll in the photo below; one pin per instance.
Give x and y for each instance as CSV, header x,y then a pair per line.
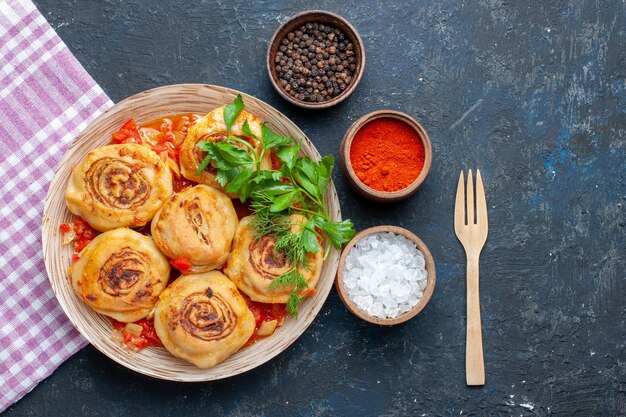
x,y
198,225
121,274
203,319
212,128
118,186
254,263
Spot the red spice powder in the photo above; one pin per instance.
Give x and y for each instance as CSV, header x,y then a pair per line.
x,y
387,154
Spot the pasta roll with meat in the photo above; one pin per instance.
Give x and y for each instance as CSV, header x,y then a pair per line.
x,y
203,319
118,186
121,274
198,225
212,128
254,263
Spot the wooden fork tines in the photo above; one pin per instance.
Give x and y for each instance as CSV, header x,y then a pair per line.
x,y
470,225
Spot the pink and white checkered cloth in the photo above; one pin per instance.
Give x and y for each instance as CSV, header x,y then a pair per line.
x,y
46,99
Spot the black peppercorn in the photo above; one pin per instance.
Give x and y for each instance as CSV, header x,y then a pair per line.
x,y
315,63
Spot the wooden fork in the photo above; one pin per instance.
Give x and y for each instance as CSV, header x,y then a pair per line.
x,y
472,234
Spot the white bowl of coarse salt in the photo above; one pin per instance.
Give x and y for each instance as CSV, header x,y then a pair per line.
x,y
386,275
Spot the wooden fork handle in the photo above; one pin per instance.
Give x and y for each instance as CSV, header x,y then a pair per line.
x,y
474,361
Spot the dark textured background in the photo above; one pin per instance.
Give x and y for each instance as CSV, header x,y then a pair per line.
x,y
531,92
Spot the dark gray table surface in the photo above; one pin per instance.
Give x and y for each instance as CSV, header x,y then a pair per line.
x,y
533,93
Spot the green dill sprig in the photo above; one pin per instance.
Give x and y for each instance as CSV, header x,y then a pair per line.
x,y
294,278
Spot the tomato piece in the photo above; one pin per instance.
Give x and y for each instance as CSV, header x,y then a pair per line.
x,y
128,133
79,244
139,342
277,311
118,324
181,264
172,151
75,257
169,136
159,147
181,183
148,336
84,234
129,125
276,162
257,312
144,324
152,337
166,147
89,234
79,226
166,125
156,341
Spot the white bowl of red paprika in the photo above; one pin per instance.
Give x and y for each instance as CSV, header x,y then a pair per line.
x,y
386,156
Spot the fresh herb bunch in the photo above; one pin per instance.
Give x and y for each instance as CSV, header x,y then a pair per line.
x,y
298,187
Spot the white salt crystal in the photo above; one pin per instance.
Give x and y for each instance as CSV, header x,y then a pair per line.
x,y
397,290
385,275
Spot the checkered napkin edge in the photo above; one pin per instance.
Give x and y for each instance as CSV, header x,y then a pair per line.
x,y
46,99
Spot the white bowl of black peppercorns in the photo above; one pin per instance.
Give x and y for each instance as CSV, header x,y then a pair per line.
x,y
316,59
